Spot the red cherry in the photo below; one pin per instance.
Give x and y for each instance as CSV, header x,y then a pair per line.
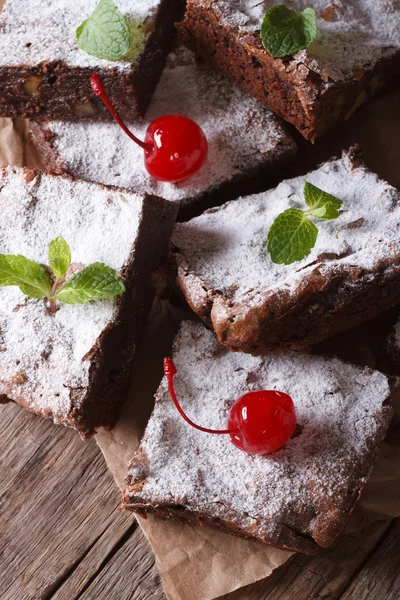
x,y
175,147
259,422
264,421
179,148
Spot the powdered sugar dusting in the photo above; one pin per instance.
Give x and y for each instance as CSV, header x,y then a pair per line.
x,y
241,133
351,35
226,247
310,478
35,31
42,357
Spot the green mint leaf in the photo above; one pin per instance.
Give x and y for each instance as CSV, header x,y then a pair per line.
x,y
92,283
322,205
32,279
318,213
106,33
284,32
291,237
59,257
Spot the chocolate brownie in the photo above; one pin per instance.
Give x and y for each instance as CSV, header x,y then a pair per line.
x,y
43,73
246,141
298,497
356,54
223,269
74,366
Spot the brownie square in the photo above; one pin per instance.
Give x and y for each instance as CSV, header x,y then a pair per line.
x,y
43,72
74,366
299,497
222,266
355,56
247,143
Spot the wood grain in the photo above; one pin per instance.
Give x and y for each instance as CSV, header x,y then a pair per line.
x,y
63,538
129,575
323,576
379,578
58,502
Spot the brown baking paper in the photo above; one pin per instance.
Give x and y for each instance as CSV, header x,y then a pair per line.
x,y
198,563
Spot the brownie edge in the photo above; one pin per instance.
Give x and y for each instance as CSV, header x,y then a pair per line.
x,y
114,356
312,99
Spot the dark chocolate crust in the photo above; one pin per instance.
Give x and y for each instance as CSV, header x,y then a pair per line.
x,y
293,540
322,307
290,537
302,99
58,91
112,358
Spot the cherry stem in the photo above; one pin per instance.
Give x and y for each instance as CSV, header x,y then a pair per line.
x,y
170,371
98,89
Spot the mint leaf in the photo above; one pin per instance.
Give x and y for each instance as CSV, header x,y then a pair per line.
x,y
92,283
32,279
284,32
291,237
59,257
105,34
322,205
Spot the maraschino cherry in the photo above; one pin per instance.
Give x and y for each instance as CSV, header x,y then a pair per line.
x,y
259,422
175,147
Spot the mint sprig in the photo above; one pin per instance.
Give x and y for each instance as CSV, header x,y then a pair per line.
x,y
32,279
106,33
59,254
292,235
322,205
95,282
284,32
92,283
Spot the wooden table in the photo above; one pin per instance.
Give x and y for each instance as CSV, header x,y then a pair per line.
x,y
62,537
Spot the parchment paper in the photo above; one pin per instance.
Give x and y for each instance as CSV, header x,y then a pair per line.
x,y
198,563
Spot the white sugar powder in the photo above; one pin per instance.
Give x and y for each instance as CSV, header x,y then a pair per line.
x,y
42,356
336,406
241,133
35,31
226,248
351,35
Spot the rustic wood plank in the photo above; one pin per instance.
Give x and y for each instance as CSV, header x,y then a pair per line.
x,y
58,504
379,578
94,561
323,576
63,538
304,578
130,575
